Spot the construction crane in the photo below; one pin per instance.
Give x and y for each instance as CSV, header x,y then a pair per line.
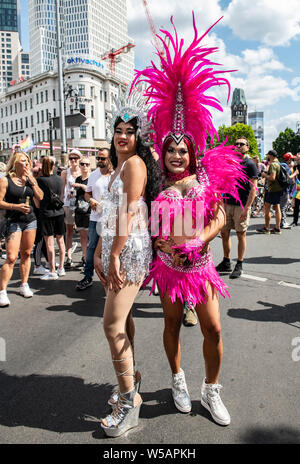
x,y
112,54
158,45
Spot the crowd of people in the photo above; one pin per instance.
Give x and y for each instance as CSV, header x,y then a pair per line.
x,y
110,208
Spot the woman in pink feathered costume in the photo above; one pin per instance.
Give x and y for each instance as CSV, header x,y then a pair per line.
x,y
183,268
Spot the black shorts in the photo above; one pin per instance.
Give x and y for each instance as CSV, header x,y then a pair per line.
x,y
53,225
82,221
273,197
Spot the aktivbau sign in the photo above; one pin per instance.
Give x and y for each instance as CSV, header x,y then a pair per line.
x,y
86,61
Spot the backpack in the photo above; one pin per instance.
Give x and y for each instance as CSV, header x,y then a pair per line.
x,y
283,178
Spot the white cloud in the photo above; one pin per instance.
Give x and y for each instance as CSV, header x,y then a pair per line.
x,y
139,28
275,126
259,70
273,22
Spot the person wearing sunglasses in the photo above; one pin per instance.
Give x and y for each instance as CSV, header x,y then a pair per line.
x,y
238,217
68,176
82,208
97,183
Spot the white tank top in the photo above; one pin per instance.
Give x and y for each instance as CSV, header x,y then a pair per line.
x,y
70,180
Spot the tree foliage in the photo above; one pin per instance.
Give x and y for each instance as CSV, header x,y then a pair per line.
x,y
234,132
287,141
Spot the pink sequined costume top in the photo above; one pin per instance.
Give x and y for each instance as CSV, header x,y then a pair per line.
x,y
218,173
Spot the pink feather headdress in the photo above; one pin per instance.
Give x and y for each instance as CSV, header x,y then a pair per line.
x,y
176,93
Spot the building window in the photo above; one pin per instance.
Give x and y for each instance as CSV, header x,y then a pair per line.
x,y
25,105
21,123
83,132
92,111
93,132
21,107
37,98
46,95
82,109
101,95
42,97
16,108
38,117
26,122
105,97
31,120
31,103
42,116
92,92
53,94
81,90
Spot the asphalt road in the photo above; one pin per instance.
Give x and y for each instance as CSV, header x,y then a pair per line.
x,y
57,375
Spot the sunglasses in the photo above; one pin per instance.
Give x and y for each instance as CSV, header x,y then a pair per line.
x,y
73,159
101,158
240,144
84,164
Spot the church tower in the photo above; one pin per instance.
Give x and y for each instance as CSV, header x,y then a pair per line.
x,y
238,107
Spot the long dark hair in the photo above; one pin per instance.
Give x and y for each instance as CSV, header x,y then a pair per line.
x,y
154,174
47,166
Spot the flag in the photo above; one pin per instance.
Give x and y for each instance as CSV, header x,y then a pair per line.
x,y
27,144
296,190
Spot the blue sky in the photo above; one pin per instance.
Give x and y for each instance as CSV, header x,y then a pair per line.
x,y
259,38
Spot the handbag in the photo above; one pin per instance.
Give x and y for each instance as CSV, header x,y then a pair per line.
x,y
4,228
55,200
82,207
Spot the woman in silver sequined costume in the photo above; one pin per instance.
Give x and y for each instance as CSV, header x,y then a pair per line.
x,y
122,260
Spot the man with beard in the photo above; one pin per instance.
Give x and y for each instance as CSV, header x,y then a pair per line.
x,y
98,182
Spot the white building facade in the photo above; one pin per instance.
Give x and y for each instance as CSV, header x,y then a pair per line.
x,y
89,29
26,107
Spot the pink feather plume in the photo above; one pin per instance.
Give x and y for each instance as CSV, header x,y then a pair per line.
x,y
194,71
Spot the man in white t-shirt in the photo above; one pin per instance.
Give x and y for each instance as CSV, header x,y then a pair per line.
x,y
98,182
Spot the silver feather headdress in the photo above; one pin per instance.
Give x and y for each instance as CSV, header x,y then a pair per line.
x,y
129,105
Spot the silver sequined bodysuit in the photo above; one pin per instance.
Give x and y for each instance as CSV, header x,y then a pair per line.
x,y
136,254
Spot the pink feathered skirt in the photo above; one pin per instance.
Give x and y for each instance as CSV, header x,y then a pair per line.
x,y
186,283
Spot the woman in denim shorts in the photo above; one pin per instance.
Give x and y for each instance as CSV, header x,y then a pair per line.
x,y
18,191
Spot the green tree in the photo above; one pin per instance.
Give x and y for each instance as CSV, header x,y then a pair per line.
x,y
234,132
287,141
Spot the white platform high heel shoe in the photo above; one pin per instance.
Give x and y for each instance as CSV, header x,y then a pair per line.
x,y
126,407
125,415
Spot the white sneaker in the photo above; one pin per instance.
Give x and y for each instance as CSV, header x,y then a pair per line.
x,y
50,276
4,301
40,270
211,400
61,272
180,392
25,291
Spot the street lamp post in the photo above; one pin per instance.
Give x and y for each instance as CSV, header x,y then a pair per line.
x,y
60,86
50,133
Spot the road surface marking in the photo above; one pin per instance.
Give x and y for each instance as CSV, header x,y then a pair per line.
x,y
287,284
261,279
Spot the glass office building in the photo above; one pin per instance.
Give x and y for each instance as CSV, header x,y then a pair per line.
x,y
9,15
89,29
256,121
